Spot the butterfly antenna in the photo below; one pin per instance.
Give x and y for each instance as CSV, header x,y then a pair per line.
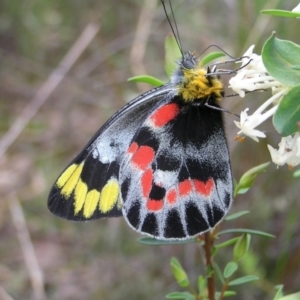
x,y
216,46
175,32
176,27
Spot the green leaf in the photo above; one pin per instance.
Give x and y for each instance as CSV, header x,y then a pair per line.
x,y
154,242
247,180
241,247
287,114
280,13
214,251
279,293
296,173
237,215
146,79
181,295
229,293
172,54
179,273
242,280
229,269
210,271
211,56
245,230
226,243
226,294
280,57
218,272
295,296
202,284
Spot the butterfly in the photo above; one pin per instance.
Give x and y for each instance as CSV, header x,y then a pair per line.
x,y
161,162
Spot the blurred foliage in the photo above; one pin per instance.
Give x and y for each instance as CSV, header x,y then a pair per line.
x,y
101,259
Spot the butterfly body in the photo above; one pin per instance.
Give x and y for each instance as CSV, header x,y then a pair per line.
x,y
162,161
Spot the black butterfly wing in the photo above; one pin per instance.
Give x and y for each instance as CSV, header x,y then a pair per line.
x,y
176,179
88,188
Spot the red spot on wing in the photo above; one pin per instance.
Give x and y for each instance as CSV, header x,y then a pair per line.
x,y
185,187
204,188
146,181
164,114
154,205
143,157
171,196
132,148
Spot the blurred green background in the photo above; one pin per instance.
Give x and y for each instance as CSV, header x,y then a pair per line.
x,y
101,259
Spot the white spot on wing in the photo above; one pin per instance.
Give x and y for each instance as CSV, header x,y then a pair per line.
x,y
166,179
109,148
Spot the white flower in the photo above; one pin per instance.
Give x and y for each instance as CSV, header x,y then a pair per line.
x,y
254,76
297,8
288,151
247,125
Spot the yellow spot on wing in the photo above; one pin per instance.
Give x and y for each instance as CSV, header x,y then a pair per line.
x,y
91,202
64,177
69,179
79,196
70,182
109,195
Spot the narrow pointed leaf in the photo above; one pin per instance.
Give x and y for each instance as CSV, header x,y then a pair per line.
x,y
226,243
241,247
146,79
226,294
237,215
211,56
280,13
279,293
295,296
229,294
245,230
218,272
181,295
179,273
247,180
202,283
242,280
154,242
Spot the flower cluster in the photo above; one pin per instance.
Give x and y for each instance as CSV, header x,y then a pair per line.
x,y
255,77
288,152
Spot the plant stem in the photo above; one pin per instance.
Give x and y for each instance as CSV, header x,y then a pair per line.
x,y
224,288
209,265
197,297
